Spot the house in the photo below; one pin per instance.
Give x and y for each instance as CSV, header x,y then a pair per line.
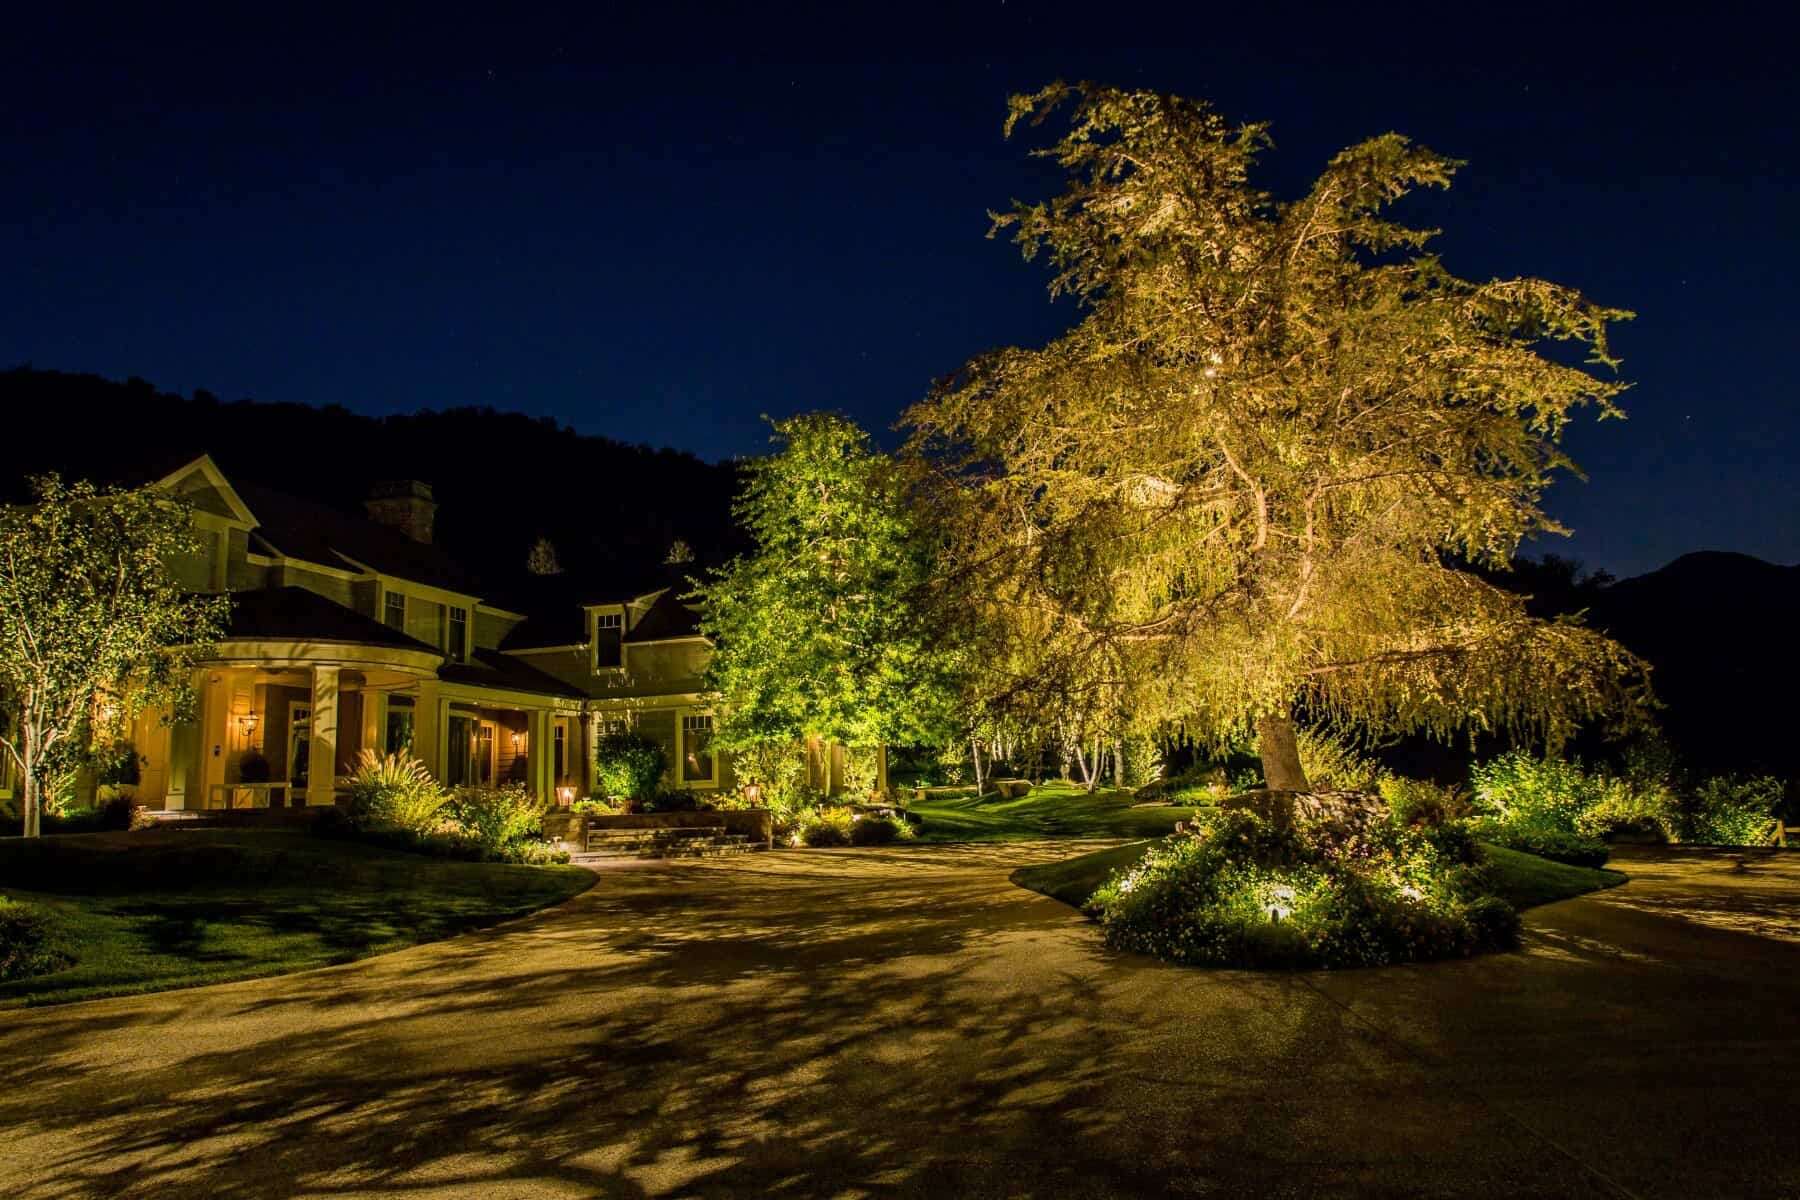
x,y
356,632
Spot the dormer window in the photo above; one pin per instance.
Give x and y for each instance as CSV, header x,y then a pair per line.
x,y
609,641
394,613
458,634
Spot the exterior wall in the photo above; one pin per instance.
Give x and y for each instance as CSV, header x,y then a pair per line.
x,y
670,666
198,572
425,620
241,575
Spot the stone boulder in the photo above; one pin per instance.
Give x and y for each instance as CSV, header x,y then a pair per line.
x,y
1347,811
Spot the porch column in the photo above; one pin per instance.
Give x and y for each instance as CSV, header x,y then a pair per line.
x,y
589,738
321,750
428,729
540,755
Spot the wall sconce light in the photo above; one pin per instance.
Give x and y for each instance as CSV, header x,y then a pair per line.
x,y
248,721
518,741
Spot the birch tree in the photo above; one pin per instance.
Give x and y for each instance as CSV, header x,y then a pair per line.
x,y
93,627
1250,478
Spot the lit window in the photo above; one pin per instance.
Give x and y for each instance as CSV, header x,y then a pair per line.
x,y
394,615
696,749
609,641
399,724
459,634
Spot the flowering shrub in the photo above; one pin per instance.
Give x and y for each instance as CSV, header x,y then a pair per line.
x,y
826,827
497,819
1243,891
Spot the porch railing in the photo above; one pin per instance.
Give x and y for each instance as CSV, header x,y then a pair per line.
x,y
249,795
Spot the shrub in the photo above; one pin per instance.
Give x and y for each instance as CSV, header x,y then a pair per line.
x,y
496,819
28,943
1332,763
877,831
1545,806
861,770
629,766
395,791
1421,802
598,808
1726,810
675,800
254,767
827,827
1237,890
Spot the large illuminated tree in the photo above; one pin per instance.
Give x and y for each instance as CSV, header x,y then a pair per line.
x,y
1249,478
820,630
93,627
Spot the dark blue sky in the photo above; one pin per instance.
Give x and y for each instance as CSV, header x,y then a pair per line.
x,y
661,229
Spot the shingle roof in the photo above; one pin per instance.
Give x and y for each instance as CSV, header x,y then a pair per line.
x,y
490,668
307,530
288,614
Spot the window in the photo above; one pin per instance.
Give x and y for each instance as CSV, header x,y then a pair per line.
x,y
399,724
696,749
394,614
458,634
609,638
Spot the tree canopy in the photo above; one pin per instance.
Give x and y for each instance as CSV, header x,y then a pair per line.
x,y
1250,481
819,630
93,627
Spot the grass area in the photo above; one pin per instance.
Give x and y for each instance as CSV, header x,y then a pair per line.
x,y
162,909
1526,881
1051,811
1522,880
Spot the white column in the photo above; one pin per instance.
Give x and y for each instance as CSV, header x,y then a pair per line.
x,y
428,728
584,782
540,755
321,756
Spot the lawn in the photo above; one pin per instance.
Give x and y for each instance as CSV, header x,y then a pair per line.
x,y
1052,810
162,909
1522,880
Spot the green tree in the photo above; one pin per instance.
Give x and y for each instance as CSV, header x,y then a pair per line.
x,y
1247,481
820,630
93,627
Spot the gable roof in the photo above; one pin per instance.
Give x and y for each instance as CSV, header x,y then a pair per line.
x,y
490,668
666,618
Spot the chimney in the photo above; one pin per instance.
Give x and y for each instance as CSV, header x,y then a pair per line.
x,y
406,504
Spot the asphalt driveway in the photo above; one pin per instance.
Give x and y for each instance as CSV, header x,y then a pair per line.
x,y
907,1022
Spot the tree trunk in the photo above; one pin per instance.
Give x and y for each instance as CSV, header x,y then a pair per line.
x,y
1280,755
1118,764
1093,779
33,803
975,750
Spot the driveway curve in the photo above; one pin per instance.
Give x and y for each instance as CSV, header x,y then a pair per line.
x,y
878,1022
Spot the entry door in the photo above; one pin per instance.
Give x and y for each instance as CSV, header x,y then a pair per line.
x,y
484,755
299,743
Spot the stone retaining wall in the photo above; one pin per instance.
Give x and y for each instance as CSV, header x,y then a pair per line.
x,y
571,828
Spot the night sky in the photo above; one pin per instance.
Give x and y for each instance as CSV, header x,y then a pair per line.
x,y
659,231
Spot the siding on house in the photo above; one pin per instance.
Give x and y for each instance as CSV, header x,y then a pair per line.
x,y
491,628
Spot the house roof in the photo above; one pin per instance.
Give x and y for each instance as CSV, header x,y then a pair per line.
x,y
666,618
288,614
490,668
314,532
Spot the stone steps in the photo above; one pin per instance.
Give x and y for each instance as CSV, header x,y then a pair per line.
x,y
698,841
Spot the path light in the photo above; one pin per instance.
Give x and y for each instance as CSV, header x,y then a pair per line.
x,y
1412,893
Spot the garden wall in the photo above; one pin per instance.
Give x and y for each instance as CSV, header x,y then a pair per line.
x,y
753,823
